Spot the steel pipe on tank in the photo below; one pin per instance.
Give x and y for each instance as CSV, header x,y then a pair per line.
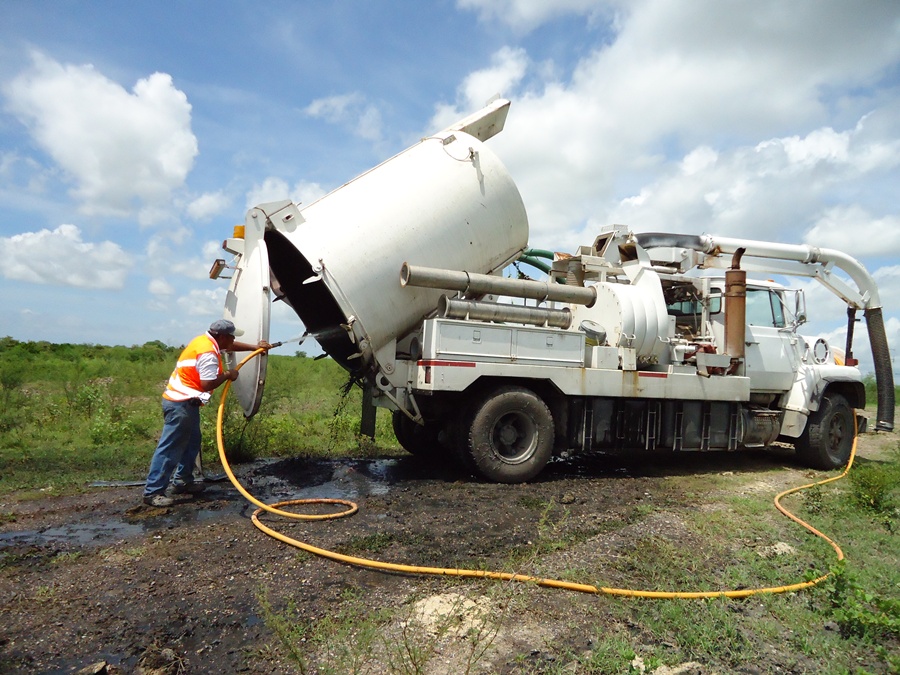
x,y
801,253
450,308
483,284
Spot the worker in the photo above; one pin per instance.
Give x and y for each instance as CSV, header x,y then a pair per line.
x,y
198,372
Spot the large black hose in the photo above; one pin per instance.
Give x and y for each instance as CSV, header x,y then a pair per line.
x,y
650,240
884,375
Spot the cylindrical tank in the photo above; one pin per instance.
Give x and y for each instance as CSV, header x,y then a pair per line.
x,y
446,202
631,317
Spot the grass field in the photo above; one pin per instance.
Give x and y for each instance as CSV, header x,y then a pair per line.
x,y
71,414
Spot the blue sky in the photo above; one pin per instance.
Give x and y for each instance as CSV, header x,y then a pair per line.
x,y
133,136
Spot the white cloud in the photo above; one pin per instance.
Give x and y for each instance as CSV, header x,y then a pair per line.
x,y
60,257
160,287
305,192
120,149
525,15
334,108
203,302
775,190
173,255
706,74
505,73
208,205
350,110
843,228
274,189
508,67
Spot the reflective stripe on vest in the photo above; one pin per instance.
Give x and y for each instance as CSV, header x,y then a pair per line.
x,y
184,383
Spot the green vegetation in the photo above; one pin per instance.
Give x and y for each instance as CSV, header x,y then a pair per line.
x,y
72,414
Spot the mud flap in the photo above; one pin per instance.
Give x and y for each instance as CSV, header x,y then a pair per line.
x,y
248,305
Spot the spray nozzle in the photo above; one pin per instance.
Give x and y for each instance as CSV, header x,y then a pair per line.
x,y
299,340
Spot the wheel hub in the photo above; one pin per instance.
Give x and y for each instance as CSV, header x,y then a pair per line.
x,y
508,434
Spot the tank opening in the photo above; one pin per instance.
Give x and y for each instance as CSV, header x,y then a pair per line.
x,y
313,302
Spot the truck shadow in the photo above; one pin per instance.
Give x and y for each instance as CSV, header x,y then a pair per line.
x,y
650,464
350,478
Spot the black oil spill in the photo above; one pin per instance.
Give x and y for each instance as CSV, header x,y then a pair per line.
x,y
268,480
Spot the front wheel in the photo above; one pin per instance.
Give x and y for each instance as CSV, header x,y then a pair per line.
x,y
509,435
827,441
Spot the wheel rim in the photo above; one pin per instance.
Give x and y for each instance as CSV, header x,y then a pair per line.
x,y
837,433
514,437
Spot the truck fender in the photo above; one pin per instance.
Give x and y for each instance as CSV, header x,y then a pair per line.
x,y
806,396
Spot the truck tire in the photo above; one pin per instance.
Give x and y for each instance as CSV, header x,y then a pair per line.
x,y
418,440
828,438
509,435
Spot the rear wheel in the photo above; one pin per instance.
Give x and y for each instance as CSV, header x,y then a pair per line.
x,y
828,438
509,435
416,439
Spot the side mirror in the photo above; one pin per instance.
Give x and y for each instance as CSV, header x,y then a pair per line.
x,y
800,308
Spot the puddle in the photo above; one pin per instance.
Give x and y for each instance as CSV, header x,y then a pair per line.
x,y
79,534
330,479
268,480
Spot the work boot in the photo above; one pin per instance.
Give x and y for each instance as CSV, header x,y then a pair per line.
x,y
192,488
159,501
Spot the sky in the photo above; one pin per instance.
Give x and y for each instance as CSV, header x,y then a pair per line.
x,y
134,136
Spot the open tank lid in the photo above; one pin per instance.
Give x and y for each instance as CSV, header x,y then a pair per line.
x,y
248,305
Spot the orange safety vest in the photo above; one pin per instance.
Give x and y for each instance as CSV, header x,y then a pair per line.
x,y
184,383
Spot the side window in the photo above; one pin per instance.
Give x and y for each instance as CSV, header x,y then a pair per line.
x,y
765,308
778,309
759,308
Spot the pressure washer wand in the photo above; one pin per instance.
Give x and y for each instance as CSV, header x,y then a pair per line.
x,y
299,340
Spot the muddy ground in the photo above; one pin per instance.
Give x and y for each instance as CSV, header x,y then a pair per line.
x,y
97,578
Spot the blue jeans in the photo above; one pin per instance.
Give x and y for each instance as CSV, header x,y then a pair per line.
x,y
178,446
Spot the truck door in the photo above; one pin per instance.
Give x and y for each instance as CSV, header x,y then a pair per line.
x,y
771,345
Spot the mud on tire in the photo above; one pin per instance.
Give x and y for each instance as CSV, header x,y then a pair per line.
x,y
508,435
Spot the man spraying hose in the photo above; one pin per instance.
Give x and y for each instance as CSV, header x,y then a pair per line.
x,y
197,374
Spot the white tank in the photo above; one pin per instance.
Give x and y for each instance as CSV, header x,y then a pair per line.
x,y
446,202
632,316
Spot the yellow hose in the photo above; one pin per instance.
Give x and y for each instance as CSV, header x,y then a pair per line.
x,y
482,574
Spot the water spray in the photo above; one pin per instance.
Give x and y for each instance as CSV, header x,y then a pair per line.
x,y
299,340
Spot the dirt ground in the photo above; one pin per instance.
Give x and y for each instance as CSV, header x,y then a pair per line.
x,y
97,580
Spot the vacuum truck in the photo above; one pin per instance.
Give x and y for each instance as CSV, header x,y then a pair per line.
x,y
636,343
